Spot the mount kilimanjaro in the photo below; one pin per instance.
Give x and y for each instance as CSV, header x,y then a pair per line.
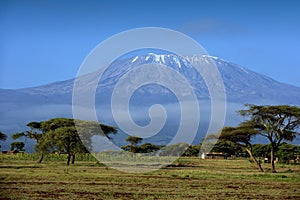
x,y
20,106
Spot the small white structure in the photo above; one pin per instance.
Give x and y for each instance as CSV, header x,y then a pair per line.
x,y
214,155
203,156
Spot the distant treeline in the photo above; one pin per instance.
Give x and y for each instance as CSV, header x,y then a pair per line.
x,y
278,124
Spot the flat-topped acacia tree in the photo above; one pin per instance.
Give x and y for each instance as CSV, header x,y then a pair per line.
x,y
276,123
60,134
241,136
134,140
35,133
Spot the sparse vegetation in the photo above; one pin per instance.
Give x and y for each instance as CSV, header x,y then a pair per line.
x,y
187,178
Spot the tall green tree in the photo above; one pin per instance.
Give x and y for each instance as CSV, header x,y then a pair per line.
x,y
276,123
71,136
64,139
60,134
240,135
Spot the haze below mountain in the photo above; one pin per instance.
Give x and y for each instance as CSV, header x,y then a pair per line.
x,y
242,86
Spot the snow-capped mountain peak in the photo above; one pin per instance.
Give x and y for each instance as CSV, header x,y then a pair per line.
x,y
18,107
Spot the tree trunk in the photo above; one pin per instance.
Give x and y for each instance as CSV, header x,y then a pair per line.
x,y
272,160
69,158
41,158
73,159
131,148
254,160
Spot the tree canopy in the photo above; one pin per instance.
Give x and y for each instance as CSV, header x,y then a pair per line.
x,y
64,135
2,136
134,140
63,139
276,123
34,133
17,146
240,135
132,147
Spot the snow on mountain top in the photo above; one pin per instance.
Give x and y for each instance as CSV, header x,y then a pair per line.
x,y
208,56
135,58
162,57
183,60
240,83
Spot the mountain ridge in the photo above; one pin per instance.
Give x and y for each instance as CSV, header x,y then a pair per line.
x,y
226,69
20,106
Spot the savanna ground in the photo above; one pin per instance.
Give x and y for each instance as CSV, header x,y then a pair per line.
x,y
187,178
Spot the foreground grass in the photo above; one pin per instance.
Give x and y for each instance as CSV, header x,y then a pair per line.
x,y
187,178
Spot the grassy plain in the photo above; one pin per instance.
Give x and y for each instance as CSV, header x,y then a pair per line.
x,y
187,178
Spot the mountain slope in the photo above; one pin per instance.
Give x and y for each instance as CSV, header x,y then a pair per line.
x,y
18,107
242,85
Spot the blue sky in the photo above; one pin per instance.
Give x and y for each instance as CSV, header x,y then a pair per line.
x,y
46,41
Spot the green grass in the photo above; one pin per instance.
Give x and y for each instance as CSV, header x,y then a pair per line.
x,y
186,178
48,157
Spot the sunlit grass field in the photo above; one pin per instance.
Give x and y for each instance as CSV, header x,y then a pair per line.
x,y
187,178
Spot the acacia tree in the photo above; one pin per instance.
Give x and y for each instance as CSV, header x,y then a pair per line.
x,y
133,140
35,133
58,133
62,136
241,136
276,123
64,139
